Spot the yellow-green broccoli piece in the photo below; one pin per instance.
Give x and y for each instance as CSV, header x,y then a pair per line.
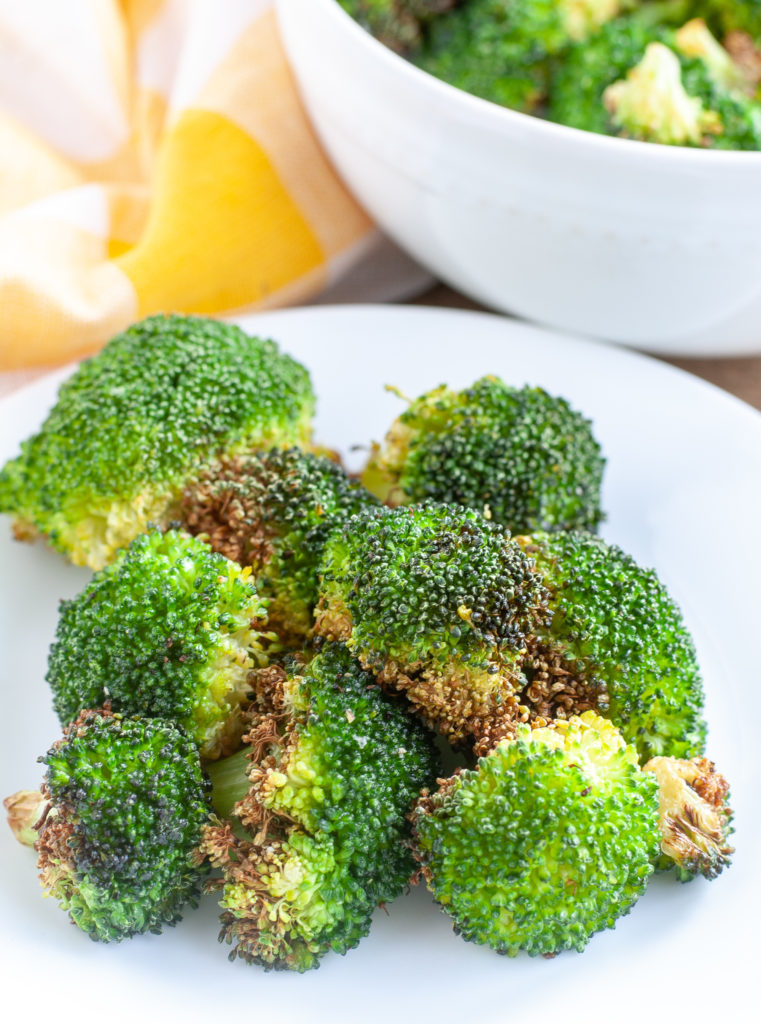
x,y
139,420
273,511
171,629
525,457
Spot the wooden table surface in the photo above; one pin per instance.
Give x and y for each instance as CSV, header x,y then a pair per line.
x,y
740,376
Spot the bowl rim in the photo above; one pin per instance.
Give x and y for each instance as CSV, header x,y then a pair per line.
x,y
496,117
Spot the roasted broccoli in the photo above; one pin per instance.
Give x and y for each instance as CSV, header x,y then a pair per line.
x,y
524,455
273,511
734,16
667,101
500,49
550,838
136,422
695,819
318,840
440,603
396,23
118,823
169,630
613,634
642,78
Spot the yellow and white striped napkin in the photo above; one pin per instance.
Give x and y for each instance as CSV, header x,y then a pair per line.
x,y
155,157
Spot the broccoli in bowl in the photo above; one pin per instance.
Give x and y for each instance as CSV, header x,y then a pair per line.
x,y
674,72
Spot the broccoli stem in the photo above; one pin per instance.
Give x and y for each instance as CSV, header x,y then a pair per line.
x,y
229,781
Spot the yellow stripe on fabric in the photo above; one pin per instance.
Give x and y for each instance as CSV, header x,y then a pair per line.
x,y
223,231
255,86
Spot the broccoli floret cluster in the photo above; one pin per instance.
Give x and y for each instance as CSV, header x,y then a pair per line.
x,y
524,456
318,840
170,630
608,66
119,822
439,603
273,511
613,627
548,840
133,424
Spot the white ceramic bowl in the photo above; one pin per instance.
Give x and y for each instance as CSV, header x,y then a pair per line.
x,y
653,246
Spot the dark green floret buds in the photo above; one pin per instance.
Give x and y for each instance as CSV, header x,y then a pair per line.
x,y
123,805
171,630
274,511
319,839
613,627
139,420
440,603
549,840
524,456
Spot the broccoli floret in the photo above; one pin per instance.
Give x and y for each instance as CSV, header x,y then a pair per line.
x,y
168,630
694,818
118,824
398,24
318,841
439,603
613,629
694,40
549,840
499,49
652,104
674,103
274,511
524,454
137,421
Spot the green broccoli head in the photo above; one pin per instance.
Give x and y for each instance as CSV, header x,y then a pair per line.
x,y
125,803
694,818
613,628
398,24
319,839
524,454
141,418
168,630
440,603
274,511
549,840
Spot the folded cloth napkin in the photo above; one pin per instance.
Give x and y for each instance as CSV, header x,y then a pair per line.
x,y
155,157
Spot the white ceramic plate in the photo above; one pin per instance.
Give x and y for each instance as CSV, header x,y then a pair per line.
x,y
683,493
